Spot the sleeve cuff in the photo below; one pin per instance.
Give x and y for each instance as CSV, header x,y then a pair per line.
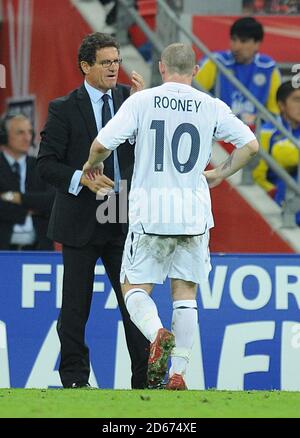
x,y
75,186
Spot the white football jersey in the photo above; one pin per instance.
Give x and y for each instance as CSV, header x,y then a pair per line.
x,y
174,126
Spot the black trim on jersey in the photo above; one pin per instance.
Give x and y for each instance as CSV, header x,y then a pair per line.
x,y
175,235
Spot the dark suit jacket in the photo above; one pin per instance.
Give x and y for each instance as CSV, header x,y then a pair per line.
x,y
38,197
66,141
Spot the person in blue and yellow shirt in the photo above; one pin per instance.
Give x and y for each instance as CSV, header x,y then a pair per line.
x,y
257,72
279,146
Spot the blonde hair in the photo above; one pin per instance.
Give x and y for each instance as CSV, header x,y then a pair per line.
x,y
179,58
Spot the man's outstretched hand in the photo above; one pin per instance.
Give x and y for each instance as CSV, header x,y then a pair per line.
x,y
94,180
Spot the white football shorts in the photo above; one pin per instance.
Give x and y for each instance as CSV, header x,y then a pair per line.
x,y
150,259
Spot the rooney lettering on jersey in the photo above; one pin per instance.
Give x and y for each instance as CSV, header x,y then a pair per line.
x,y
176,104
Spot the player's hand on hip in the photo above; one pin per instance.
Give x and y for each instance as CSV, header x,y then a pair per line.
x,y
137,82
212,177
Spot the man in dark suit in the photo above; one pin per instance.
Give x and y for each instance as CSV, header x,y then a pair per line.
x,y
25,200
73,123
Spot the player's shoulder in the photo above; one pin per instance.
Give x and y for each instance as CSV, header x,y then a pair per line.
x,y
218,103
264,61
159,90
212,105
205,97
154,90
146,92
139,98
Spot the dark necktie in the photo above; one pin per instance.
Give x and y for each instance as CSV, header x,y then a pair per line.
x,y
106,116
17,171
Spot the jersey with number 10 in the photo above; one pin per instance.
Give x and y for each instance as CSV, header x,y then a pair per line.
x,y
174,126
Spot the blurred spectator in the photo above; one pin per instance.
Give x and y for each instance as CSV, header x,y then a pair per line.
x,y
293,7
248,8
275,6
147,10
281,149
25,201
256,71
260,173
271,6
110,8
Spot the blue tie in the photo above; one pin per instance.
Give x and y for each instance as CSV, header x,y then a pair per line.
x,y
17,172
106,116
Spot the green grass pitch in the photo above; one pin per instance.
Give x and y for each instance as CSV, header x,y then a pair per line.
x,y
101,403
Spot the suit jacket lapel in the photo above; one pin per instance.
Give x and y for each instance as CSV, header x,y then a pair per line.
x,y
86,109
29,172
7,173
118,98
4,165
87,112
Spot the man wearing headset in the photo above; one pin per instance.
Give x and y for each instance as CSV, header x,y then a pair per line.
x,y
25,200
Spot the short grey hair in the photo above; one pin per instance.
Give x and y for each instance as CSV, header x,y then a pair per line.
x,y
179,58
15,116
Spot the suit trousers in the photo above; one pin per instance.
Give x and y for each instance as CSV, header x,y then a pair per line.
x,y
79,265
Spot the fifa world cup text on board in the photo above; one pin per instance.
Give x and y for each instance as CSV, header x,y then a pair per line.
x,y
286,283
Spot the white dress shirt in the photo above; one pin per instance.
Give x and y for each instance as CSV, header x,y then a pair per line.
x,y
22,234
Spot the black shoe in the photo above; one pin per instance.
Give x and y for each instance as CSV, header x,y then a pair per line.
x,y
77,385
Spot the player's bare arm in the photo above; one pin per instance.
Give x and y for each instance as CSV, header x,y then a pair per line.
x,y
238,159
98,153
92,176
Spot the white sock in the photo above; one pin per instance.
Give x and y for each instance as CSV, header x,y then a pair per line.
x,y
143,312
184,325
